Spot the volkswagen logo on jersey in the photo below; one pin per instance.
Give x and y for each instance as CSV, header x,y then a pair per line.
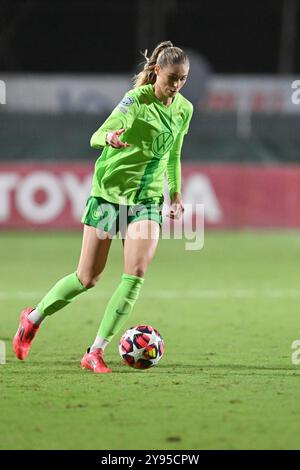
x,y
163,143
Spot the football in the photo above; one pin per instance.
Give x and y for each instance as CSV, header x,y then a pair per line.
x,y
141,347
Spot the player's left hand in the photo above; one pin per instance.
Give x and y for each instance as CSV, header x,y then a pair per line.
x,y
177,207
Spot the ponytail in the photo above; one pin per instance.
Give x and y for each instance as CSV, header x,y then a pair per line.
x,y
164,54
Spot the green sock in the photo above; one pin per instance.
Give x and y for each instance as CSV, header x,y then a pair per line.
x,y
120,305
61,294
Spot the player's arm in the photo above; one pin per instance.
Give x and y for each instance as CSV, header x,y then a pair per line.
x,y
174,171
174,163
174,166
120,120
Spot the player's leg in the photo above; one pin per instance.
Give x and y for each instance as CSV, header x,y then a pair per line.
x,y
92,261
94,252
140,244
93,256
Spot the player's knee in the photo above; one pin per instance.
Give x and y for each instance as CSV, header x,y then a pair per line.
x,y
138,270
88,281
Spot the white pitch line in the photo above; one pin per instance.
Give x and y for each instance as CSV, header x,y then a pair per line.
x,y
176,294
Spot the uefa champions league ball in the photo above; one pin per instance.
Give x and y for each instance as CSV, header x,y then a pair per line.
x,y
141,347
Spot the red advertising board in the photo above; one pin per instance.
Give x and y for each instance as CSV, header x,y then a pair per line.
x,y
50,196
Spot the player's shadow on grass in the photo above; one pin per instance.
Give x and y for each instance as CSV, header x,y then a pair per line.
x,y
250,369
71,366
201,368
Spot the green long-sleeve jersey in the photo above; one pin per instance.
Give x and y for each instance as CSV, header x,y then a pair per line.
x,y
135,174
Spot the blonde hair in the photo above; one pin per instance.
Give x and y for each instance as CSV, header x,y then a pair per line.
x,y
164,54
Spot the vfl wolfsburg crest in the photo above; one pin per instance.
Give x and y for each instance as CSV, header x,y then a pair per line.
x,y
96,213
163,143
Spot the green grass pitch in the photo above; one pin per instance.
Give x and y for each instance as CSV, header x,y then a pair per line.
x,y
228,315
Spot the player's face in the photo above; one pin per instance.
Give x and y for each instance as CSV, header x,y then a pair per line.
x,y
171,78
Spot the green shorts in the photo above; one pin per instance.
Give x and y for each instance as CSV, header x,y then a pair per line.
x,y
113,218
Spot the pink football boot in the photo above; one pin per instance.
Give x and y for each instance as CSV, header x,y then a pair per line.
x,y
25,334
95,362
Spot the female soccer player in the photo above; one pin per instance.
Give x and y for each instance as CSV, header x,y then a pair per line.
x,y
141,141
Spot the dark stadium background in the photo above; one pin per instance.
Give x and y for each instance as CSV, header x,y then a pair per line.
x,y
104,36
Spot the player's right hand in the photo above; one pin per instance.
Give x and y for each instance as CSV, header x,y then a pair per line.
x,y
112,139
